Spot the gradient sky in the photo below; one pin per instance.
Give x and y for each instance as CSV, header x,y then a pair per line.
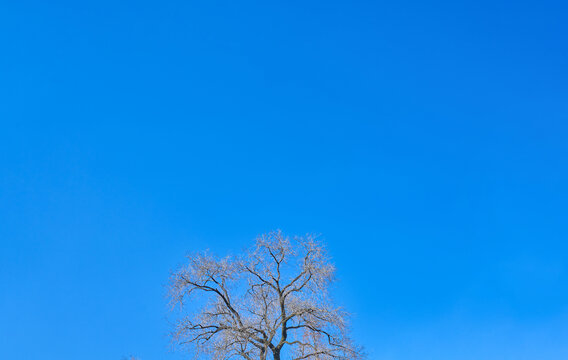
x,y
426,142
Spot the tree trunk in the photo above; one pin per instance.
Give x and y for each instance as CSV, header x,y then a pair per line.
x,y
276,355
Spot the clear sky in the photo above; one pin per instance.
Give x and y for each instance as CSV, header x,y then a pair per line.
x,y
425,140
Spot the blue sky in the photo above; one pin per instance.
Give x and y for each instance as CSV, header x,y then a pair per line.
x,y
426,142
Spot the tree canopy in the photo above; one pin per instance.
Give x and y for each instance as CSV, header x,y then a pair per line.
x,y
272,300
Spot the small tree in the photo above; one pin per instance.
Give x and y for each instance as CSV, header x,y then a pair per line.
x,y
272,301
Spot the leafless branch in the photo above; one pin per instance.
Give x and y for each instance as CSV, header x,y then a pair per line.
x,y
252,306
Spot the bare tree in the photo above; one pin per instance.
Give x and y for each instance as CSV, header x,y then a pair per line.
x,y
272,301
